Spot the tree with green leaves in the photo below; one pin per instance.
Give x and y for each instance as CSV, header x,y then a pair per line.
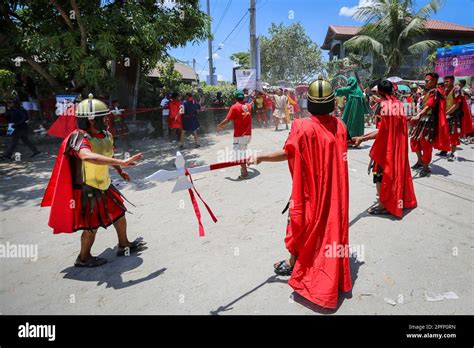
x,y
288,53
345,66
83,45
393,31
241,59
169,77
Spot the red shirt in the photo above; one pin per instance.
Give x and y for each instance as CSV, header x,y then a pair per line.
x,y
174,119
267,102
241,114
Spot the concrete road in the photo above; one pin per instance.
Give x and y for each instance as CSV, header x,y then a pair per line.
x,y
229,271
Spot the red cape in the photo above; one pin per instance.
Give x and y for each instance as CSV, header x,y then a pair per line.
x,y
390,152
59,194
441,141
466,120
64,125
319,209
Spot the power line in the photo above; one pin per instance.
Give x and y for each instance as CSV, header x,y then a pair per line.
x,y
223,16
241,19
227,37
241,27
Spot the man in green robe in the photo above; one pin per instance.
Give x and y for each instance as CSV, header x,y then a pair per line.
x,y
355,109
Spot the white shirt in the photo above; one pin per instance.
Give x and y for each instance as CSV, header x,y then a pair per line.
x,y
164,102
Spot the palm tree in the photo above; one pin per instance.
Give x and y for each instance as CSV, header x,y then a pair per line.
x,y
392,31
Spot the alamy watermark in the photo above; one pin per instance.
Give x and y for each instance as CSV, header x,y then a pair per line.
x,y
26,251
335,250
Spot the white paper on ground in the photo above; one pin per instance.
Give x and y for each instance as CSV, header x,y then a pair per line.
x,y
450,295
389,301
431,296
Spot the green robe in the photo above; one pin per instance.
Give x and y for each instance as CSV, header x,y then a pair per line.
x,y
356,107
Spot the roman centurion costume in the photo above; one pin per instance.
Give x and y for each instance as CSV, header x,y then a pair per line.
x,y
459,121
80,193
431,130
317,231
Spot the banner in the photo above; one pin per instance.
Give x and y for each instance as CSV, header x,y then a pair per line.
x,y
246,78
455,60
464,61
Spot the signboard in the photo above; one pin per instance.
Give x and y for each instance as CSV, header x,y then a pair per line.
x,y
246,78
455,60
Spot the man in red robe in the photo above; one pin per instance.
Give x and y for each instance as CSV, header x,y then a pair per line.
x,y
430,129
458,115
317,231
389,155
80,192
175,121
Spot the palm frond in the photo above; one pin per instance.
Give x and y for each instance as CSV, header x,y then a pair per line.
x,y
364,43
371,13
415,28
429,9
422,46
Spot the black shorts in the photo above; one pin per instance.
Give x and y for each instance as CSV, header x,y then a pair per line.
x,y
378,175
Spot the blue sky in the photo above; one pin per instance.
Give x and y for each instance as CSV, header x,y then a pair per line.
x,y
315,16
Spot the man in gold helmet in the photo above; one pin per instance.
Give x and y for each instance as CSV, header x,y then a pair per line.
x,y
317,231
80,192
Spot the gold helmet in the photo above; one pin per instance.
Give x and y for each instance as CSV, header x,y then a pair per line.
x,y
320,97
90,108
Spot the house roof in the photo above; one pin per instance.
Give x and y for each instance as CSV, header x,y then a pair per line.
x,y
186,71
344,29
433,25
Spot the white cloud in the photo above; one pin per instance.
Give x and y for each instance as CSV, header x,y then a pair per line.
x,y
349,11
216,56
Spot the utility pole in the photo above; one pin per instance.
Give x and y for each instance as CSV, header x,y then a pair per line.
x,y
253,30
209,42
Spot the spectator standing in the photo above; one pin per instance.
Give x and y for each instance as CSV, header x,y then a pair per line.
x,y
18,129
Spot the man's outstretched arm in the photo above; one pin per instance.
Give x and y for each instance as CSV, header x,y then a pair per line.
x,y
277,156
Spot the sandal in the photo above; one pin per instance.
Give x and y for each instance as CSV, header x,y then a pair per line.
x,y
283,268
417,165
137,245
377,211
425,172
92,262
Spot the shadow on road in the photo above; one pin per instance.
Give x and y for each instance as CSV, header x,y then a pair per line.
x,y
111,273
365,213
253,173
354,266
227,307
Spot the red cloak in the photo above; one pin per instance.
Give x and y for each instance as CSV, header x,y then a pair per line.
x,y
466,118
64,125
59,193
390,152
318,230
441,141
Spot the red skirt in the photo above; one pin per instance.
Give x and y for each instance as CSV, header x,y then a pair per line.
x,y
94,208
